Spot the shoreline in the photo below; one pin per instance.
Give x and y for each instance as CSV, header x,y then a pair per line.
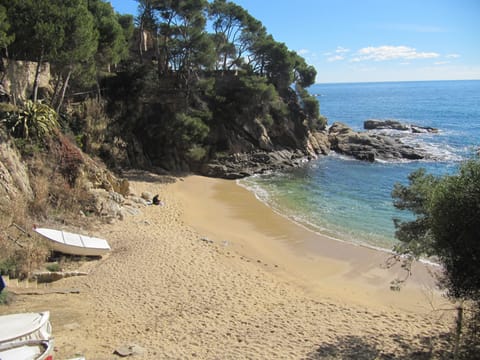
x,y
316,231
316,262
313,229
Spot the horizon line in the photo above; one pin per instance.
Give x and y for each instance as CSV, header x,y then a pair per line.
x,y
388,81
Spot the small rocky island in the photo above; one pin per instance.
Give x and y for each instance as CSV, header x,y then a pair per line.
x,y
370,146
373,124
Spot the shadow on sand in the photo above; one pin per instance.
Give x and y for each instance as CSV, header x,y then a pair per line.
x,y
364,348
145,176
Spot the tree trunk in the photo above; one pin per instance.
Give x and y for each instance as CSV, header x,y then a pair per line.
x,y
458,331
55,91
64,89
140,42
37,75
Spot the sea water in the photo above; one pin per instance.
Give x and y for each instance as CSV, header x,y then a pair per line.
x,y
351,200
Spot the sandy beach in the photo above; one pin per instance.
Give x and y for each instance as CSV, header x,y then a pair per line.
x,y
215,274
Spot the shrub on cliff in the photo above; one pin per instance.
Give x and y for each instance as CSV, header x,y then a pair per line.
x,y
33,119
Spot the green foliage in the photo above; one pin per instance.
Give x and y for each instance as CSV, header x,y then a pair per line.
x,y
5,297
7,265
311,107
197,152
34,119
112,42
185,46
5,38
89,123
235,33
54,267
244,98
189,129
447,225
5,109
80,39
28,147
321,123
128,27
36,25
304,74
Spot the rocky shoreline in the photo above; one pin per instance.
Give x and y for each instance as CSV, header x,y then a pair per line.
x,y
361,145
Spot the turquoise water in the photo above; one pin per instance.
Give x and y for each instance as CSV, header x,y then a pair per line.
x,y
351,200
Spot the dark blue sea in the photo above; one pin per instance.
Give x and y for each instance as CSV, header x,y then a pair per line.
x,y
351,200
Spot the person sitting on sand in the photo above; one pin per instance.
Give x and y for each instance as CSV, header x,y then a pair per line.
x,y
156,200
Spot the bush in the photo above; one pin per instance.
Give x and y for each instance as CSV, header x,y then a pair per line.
x,y
69,158
34,119
5,297
53,267
189,129
196,153
310,105
447,225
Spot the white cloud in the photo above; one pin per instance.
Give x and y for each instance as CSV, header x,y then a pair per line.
x,y
338,54
441,62
452,56
303,52
341,50
335,58
387,52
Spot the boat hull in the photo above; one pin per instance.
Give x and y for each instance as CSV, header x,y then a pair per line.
x,y
74,244
26,336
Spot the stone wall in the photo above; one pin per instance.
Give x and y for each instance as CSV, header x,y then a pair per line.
x,y
19,77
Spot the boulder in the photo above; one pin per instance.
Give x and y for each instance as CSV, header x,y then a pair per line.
x,y
369,147
396,125
241,165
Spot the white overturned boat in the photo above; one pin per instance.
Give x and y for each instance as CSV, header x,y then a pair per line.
x,y
26,336
74,244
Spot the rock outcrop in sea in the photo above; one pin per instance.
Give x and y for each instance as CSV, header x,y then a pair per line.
x,y
361,145
370,146
396,125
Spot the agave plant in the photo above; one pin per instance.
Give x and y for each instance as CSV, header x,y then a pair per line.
x,y
34,119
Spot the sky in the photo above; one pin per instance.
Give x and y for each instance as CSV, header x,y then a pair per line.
x,y
372,40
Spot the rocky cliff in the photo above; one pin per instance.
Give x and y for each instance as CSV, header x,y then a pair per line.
x,y
30,185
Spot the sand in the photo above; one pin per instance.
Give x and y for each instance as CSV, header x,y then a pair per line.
x,y
215,274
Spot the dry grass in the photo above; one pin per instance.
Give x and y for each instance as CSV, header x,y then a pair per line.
x,y
21,252
57,198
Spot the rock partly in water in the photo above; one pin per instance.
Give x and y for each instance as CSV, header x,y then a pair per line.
x,y
396,125
243,164
369,147
240,165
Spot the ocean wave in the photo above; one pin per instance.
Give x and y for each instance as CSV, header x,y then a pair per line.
x,y
434,151
258,186
260,193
